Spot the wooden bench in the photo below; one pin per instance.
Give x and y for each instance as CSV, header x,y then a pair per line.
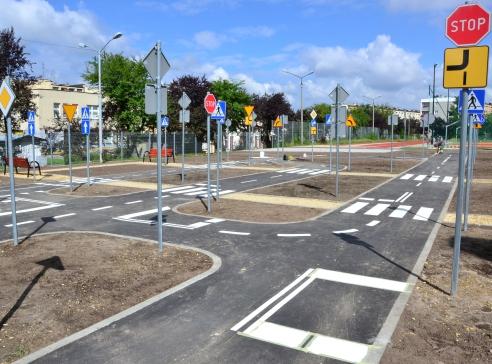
x,y
166,153
21,163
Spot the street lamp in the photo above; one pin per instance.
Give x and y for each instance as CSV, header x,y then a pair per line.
x,y
373,99
99,52
301,77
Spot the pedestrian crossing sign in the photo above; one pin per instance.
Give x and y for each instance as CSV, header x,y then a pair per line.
x,y
476,101
277,123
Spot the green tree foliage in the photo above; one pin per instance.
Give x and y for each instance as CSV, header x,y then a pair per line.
x,y
321,109
196,88
14,63
362,115
268,107
236,97
123,88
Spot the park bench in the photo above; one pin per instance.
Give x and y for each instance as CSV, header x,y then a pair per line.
x,y
167,152
20,162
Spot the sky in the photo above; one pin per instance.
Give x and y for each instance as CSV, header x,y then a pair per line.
x,y
383,49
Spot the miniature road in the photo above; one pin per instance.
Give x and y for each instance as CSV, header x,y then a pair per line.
x,y
311,292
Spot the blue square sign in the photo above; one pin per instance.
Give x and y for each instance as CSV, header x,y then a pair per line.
x,y
476,101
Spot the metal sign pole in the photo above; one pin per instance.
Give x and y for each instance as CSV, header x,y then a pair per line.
x,y
33,158
218,160
278,145
182,146
469,165
338,139
391,163
350,148
283,140
159,148
312,148
249,145
12,181
70,157
228,144
329,135
88,158
209,207
459,200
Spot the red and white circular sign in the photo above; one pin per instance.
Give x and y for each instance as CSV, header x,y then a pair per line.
x,y
209,102
468,24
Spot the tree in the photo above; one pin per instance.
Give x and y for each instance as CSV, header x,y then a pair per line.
x,y
236,97
362,114
196,88
14,63
123,85
321,109
268,107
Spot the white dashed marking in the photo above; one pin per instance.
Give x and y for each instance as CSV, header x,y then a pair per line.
x,y
102,208
345,231
292,235
132,202
373,223
62,216
233,232
352,209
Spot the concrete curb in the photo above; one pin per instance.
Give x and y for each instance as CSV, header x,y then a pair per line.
x,y
217,263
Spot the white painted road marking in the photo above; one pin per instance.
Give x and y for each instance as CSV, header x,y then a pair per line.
x,y
377,210
233,232
251,180
276,176
447,179
352,209
423,214
102,208
402,196
292,235
20,223
132,202
65,215
420,177
434,179
400,211
366,198
215,220
345,231
373,223
406,197
385,200
407,176
418,184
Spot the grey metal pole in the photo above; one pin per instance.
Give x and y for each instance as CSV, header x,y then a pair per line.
x,y
459,200
302,116
249,145
278,143
182,146
350,149
196,150
337,139
469,165
392,135
159,148
209,207
217,167
329,133
283,140
88,158
121,144
228,145
373,117
33,157
12,180
51,152
70,157
174,142
100,106
149,146
312,148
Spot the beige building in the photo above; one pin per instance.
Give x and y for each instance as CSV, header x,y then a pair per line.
x,y
488,109
407,114
49,98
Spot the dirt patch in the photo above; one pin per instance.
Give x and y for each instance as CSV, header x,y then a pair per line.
x,y
251,211
323,187
96,190
480,199
199,175
55,285
434,328
483,164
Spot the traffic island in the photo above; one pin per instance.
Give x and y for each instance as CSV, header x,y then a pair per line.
x,y
54,285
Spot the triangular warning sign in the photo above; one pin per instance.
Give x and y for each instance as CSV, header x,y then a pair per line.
x,y
473,102
277,123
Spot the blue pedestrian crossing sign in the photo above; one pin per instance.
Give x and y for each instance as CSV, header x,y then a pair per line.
x,y
328,119
85,123
476,101
31,128
220,111
164,121
478,119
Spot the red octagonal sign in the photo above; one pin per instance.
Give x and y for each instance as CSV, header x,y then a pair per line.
x,y
468,24
209,103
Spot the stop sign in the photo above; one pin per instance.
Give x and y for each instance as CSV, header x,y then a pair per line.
x,y
468,24
209,103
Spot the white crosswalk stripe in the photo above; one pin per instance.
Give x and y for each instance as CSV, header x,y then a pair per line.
x,y
303,171
434,178
447,179
420,177
198,189
423,214
378,209
352,209
407,176
398,211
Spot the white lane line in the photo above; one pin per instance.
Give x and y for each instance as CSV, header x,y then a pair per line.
x,y
319,172
197,225
297,170
40,191
420,177
447,179
20,223
288,170
215,220
406,198
292,235
345,231
305,172
358,280
423,214
434,178
272,177
438,167
407,176
373,223
142,213
163,196
352,209
177,188
65,215
433,172
419,184
400,211
378,209
102,208
32,209
233,232
366,198
249,181
132,202
402,196
256,312
344,350
385,200
24,193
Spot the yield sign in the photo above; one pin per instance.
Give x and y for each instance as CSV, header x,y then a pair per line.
x,y
249,109
468,24
7,98
277,123
70,110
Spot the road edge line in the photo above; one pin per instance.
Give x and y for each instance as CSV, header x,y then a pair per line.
x,y
216,264
389,326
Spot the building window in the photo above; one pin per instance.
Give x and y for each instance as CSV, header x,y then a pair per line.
x,y
56,110
93,109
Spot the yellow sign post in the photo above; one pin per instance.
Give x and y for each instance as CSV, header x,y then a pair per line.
x,y
248,121
313,130
277,123
466,67
70,110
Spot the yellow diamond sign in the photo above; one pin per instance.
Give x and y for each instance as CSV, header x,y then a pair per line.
x,y
7,98
70,110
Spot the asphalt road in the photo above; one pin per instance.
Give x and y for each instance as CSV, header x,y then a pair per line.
x,y
318,291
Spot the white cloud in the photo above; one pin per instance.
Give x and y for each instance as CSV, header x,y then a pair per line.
x,y
425,5
258,31
209,40
186,7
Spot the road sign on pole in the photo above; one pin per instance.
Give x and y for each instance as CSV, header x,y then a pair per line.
x,y
468,24
86,128
156,64
220,111
209,103
184,101
328,120
476,101
164,121
7,97
313,114
466,67
277,123
70,110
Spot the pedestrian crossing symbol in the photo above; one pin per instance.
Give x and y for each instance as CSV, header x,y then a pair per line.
x,y
476,101
220,111
85,113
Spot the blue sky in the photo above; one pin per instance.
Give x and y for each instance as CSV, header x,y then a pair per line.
x,y
373,48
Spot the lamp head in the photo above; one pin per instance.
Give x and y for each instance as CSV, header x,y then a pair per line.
x,y
117,35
